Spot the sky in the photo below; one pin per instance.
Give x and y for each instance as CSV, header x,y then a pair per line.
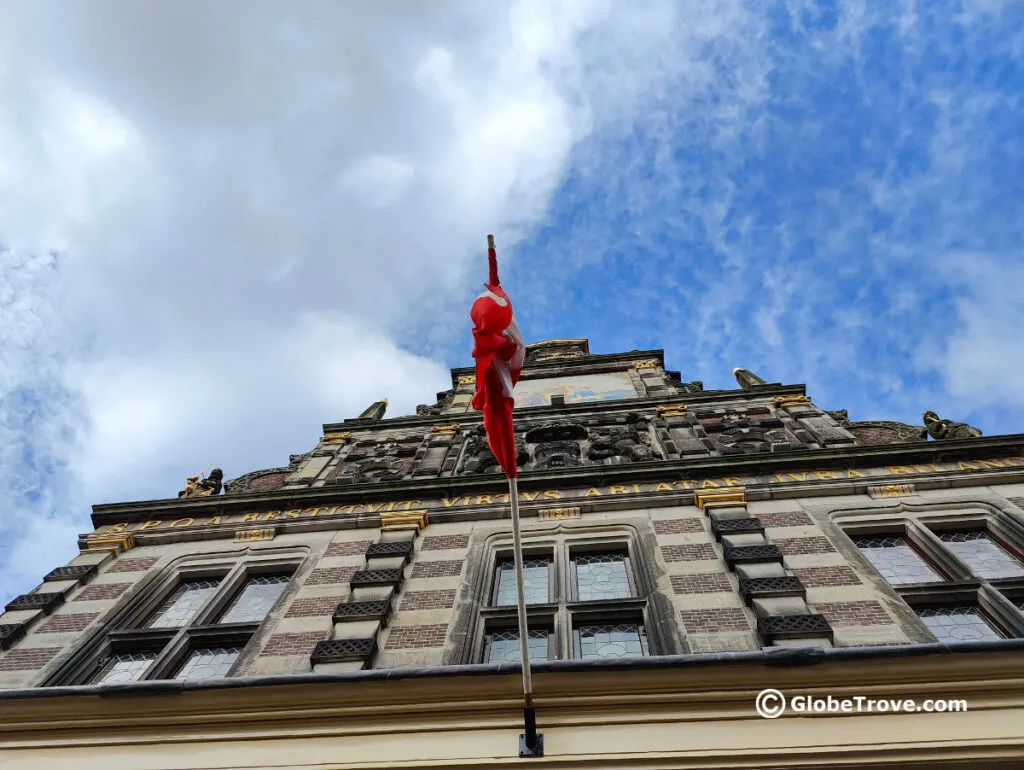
x,y
223,225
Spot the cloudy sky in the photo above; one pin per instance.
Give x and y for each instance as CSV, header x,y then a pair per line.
x,y
224,224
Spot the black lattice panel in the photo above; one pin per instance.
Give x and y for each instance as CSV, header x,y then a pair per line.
x,y
342,650
376,577
10,633
736,527
362,611
771,587
793,627
45,602
751,554
79,572
397,548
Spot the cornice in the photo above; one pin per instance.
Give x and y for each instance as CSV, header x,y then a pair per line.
x,y
593,359
603,475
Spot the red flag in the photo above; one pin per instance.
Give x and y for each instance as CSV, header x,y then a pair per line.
x,y
499,351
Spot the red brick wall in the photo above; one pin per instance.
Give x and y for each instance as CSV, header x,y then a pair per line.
x,y
76,621
348,548
794,546
24,660
408,637
329,575
445,542
314,606
429,569
689,552
678,526
428,600
133,565
101,591
701,583
863,613
784,519
818,577
716,620
293,644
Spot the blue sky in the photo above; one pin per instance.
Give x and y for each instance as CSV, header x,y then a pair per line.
x,y
224,230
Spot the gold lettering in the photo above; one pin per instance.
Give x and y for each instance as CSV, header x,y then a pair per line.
x,y
920,468
593,492
684,484
733,481
708,483
896,470
991,464
270,515
449,503
409,504
966,466
663,487
343,508
797,476
852,474
527,496
391,506
294,513
636,487
1015,460
778,477
374,507
183,523
214,520
251,517
118,528
483,499
824,474
617,489
503,497
150,525
552,494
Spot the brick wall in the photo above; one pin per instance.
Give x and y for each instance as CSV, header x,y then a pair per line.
x,y
689,552
818,577
445,542
133,565
314,606
101,591
293,644
701,583
330,575
24,660
864,613
784,519
795,546
348,548
677,526
428,600
407,637
716,620
429,569
76,621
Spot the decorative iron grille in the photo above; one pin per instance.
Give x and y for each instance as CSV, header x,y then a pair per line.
x,y
341,650
776,627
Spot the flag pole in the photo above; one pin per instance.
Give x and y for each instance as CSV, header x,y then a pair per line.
x,y
530,744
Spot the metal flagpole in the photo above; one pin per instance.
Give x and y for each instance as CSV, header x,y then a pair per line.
x,y
531,744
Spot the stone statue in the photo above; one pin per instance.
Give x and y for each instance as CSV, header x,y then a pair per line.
x,y
747,379
947,429
375,410
195,486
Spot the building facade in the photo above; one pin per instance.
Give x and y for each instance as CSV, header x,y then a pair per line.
x,y
684,550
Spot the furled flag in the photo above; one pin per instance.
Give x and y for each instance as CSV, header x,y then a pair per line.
x,y
499,351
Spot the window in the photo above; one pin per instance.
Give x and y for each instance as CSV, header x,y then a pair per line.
x,y
582,602
194,626
944,573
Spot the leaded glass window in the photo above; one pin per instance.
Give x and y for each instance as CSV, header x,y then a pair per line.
x,y
183,604
982,554
958,624
896,560
503,646
623,640
536,582
124,667
208,663
255,600
598,576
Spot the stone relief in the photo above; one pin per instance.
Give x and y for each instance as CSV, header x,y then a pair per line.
x,y
947,429
556,444
386,459
556,350
196,486
478,457
630,442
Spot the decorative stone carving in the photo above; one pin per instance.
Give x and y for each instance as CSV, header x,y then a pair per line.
x,y
199,487
872,433
557,444
479,458
623,443
747,379
375,411
337,437
675,380
841,417
387,459
267,479
648,364
947,429
444,400
556,350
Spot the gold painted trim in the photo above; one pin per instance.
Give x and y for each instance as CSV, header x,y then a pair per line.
x,y
467,380
672,410
733,495
555,514
417,519
649,364
445,430
249,535
337,437
115,543
788,401
891,490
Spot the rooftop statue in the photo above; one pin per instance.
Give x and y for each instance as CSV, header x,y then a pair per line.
x,y
747,379
196,486
947,429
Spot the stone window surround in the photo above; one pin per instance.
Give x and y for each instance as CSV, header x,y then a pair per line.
x,y
919,522
563,614
125,631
